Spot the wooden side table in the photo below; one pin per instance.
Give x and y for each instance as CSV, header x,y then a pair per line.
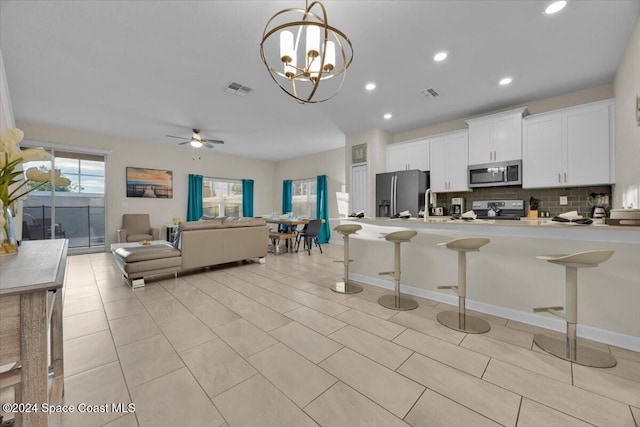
x,y
30,290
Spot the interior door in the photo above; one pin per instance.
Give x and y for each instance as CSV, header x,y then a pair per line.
x,y
358,197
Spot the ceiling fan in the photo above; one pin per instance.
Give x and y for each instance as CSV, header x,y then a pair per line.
x,y
197,141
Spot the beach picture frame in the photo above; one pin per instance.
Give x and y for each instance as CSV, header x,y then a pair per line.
x,y
149,183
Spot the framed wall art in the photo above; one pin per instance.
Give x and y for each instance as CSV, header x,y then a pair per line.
x,y
359,153
150,183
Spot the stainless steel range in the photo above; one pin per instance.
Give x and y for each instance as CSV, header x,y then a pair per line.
x,y
498,209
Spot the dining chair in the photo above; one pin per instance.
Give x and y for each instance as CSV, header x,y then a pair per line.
x,y
310,235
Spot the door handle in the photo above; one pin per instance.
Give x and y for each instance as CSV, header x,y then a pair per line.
x,y
559,178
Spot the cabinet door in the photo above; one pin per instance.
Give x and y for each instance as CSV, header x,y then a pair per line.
x,y
418,154
457,146
397,157
507,133
481,146
438,173
542,163
588,145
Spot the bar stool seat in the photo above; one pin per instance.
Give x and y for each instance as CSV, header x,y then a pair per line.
x,y
460,320
346,287
568,348
398,301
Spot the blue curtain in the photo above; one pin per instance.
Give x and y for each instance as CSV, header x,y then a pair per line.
x,y
286,196
247,197
194,200
322,208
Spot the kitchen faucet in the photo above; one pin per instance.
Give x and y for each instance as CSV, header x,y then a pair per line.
x,y
428,198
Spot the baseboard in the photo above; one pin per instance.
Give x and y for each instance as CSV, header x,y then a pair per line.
x,y
600,335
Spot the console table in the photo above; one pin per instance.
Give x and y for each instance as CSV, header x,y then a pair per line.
x,y
31,309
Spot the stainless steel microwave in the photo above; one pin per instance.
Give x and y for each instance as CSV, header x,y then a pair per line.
x,y
496,174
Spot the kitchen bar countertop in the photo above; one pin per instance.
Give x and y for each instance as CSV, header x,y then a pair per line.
x,y
526,227
505,277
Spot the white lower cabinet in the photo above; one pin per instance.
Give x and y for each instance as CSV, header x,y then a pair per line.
x,y
448,156
569,147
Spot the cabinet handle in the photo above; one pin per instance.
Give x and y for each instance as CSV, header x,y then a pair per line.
x,y
559,178
565,177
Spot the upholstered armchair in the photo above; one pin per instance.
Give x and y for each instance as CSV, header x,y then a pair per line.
x,y
136,227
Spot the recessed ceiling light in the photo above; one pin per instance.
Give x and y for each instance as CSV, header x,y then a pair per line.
x,y
370,86
555,7
388,116
505,81
440,56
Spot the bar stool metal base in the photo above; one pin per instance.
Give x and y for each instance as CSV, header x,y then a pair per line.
x,y
348,288
584,356
402,303
463,322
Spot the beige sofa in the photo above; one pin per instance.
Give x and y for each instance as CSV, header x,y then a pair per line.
x,y
218,241
198,244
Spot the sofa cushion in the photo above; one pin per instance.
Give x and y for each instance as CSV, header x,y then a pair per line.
x,y
146,253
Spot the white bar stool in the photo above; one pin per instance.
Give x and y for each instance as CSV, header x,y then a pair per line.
x,y
569,349
397,301
459,320
346,287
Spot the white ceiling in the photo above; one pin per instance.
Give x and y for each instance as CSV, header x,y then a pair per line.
x,y
143,69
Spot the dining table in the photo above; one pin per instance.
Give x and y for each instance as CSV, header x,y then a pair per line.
x,y
289,223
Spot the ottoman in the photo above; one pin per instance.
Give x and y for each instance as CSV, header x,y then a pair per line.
x,y
138,261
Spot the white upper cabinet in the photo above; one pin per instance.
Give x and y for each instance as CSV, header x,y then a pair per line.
x,y
449,154
496,138
569,147
408,155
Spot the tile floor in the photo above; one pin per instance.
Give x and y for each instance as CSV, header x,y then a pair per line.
x,y
271,345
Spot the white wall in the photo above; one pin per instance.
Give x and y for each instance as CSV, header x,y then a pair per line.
x,y
330,163
627,88
123,153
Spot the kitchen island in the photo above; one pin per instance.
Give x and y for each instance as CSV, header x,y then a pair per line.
x,y
505,278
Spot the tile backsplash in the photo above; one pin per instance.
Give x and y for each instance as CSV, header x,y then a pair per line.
x,y
549,197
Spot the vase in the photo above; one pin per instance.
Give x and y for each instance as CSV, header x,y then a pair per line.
x,y
9,243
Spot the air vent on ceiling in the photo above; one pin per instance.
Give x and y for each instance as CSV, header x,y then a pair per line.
x,y
236,88
429,93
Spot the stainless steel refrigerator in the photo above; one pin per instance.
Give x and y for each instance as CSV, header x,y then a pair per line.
x,y
400,191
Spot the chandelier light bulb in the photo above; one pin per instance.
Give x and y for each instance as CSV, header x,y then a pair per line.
x,y
313,41
330,56
286,46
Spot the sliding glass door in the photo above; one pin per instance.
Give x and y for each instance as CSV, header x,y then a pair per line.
x,y
75,212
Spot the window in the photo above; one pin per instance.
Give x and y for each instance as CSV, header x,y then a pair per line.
x,y
303,201
75,212
221,197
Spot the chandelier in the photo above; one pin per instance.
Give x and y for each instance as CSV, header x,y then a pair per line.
x,y
299,71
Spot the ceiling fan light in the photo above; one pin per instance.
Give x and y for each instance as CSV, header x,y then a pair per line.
x,y
195,143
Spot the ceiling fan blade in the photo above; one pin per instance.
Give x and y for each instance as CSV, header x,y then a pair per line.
x,y
213,141
179,137
186,142
208,144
